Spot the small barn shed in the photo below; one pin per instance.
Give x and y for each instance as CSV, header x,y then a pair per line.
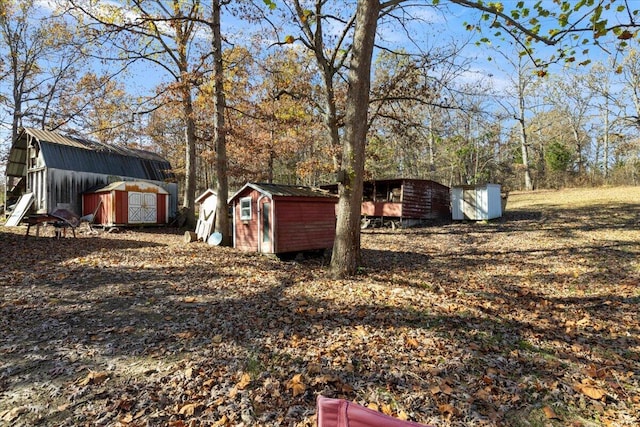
x,y
273,218
58,169
410,201
124,203
476,202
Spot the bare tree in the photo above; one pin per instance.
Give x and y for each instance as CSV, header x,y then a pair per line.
x,y
164,35
41,60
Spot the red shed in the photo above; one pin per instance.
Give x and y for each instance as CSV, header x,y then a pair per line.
x,y
411,201
127,203
273,218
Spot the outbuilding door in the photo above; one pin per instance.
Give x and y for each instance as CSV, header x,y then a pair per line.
x,y
143,208
470,204
265,232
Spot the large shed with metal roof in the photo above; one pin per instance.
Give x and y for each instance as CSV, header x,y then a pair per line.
x,y
57,169
276,219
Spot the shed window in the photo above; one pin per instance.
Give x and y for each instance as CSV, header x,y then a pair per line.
x,y
245,208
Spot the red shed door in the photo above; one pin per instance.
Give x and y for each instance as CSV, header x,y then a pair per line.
x,y
143,208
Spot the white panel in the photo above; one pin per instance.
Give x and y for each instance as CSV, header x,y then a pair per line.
x,y
482,204
21,208
149,208
456,204
135,208
494,201
206,218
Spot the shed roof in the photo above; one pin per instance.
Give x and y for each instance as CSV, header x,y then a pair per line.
x,y
71,153
281,190
127,186
391,182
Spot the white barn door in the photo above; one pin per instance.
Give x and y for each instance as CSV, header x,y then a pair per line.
x,y
143,208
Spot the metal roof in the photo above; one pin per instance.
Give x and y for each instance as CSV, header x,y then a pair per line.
x,y
281,190
76,154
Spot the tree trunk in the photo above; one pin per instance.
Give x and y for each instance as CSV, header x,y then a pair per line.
x,y
219,131
605,138
524,147
524,144
189,197
346,248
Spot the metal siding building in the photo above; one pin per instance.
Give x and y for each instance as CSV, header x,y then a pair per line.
x,y
59,168
476,202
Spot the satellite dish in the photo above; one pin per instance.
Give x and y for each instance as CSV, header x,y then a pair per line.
x,y
215,239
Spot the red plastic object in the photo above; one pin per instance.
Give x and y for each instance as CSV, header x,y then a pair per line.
x,y
342,413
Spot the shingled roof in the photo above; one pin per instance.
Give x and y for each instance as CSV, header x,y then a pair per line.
x,y
281,190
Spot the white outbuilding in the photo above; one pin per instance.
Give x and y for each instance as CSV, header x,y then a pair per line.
x,y
476,202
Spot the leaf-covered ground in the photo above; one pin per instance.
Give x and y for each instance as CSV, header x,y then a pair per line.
x,y
530,320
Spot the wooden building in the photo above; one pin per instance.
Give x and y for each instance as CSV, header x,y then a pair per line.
x,y
58,169
127,203
272,218
410,201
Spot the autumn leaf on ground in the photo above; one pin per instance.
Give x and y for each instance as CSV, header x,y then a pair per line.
x,y
189,409
594,372
186,335
94,378
125,404
222,421
550,413
188,372
314,368
325,379
411,342
244,382
386,409
445,388
448,410
126,419
296,385
345,388
590,391
127,330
